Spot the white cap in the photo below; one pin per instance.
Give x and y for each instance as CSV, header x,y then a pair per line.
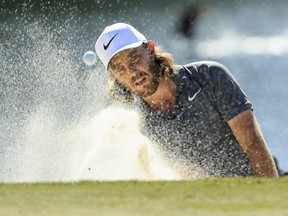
x,y
116,38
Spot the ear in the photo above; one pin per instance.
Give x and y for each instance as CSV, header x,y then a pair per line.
x,y
151,46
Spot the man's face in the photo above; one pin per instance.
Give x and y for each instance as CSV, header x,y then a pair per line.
x,y
136,70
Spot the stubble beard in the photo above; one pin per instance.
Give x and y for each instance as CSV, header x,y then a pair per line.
x,y
150,88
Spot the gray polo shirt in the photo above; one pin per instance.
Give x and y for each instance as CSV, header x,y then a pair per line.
x,y
197,131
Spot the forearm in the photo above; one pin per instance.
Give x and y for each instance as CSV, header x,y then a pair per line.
x,y
262,161
248,134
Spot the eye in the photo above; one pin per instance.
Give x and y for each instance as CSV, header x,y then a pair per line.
x,y
119,68
134,59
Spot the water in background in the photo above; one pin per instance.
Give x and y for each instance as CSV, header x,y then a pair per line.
x,y
56,122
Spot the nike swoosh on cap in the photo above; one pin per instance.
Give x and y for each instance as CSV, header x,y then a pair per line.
x,y
193,97
106,46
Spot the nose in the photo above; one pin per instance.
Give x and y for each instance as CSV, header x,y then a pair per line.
x,y
132,68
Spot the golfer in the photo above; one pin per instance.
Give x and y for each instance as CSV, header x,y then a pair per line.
x,y
197,114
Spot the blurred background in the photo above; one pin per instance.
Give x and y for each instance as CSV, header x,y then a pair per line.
x,y
49,96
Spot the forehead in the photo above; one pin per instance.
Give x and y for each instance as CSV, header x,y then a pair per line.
x,y
125,54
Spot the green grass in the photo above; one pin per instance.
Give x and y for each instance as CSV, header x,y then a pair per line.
x,y
235,196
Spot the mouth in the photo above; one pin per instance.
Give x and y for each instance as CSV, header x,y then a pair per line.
x,y
140,81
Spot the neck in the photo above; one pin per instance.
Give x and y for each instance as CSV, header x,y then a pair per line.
x,y
164,97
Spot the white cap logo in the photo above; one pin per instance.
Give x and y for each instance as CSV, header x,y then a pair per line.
x,y
116,38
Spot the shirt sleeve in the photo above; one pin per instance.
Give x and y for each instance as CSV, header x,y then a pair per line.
x,y
229,97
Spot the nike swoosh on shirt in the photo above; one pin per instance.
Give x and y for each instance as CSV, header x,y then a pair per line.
x,y
193,97
106,46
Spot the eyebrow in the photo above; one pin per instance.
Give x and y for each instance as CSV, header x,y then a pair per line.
x,y
113,65
130,54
